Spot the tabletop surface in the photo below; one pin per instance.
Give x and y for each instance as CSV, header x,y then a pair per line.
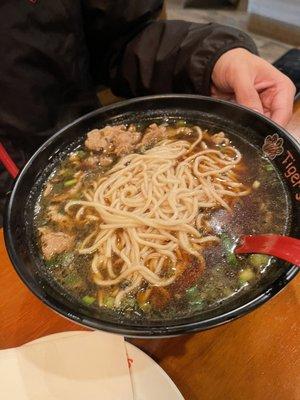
x,y
253,358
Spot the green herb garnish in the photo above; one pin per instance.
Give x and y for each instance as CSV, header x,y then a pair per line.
x,y
228,246
109,302
181,123
70,182
246,275
269,167
259,260
192,293
51,262
73,281
81,154
88,300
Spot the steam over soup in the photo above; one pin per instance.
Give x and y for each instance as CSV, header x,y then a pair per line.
x,y
144,220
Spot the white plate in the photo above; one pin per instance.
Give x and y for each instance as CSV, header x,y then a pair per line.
x,y
149,380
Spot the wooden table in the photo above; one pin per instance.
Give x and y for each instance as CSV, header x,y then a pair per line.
x,y
254,358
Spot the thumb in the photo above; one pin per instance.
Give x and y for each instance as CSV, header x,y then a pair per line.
x,y
247,95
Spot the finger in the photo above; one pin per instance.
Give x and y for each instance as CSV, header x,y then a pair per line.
x,y
267,114
219,94
247,95
282,105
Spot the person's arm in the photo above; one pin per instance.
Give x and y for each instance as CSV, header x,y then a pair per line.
x,y
145,56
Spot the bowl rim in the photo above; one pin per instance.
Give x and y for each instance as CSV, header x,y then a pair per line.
x,y
139,331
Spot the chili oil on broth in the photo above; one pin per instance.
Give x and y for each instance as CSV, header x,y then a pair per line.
x,y
201,285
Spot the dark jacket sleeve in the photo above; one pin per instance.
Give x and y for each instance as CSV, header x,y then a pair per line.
x,y
146,56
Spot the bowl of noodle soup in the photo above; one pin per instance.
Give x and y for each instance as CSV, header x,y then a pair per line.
x,y
130,215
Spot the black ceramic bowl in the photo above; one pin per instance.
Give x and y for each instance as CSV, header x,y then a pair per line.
x,y
277,144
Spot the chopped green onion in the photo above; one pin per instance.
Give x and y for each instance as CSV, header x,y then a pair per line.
x,y
73,281
146,307
192,293
231,259
227,292
67,173
246,275
58,187
109,302
228,246
81,153
258,260
181,123
226,242
196,305
129,302
221,148
269,167
51,262
65,259
70,182
193,296
88,300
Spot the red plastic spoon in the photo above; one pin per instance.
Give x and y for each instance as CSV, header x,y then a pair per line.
x,y
283,247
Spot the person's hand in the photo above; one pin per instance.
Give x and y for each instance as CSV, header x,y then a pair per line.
x,y
251,81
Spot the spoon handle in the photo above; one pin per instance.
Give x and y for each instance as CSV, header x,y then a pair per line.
x,y
283,247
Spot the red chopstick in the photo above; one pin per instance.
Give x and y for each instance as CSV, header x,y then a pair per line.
x,y
8,163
